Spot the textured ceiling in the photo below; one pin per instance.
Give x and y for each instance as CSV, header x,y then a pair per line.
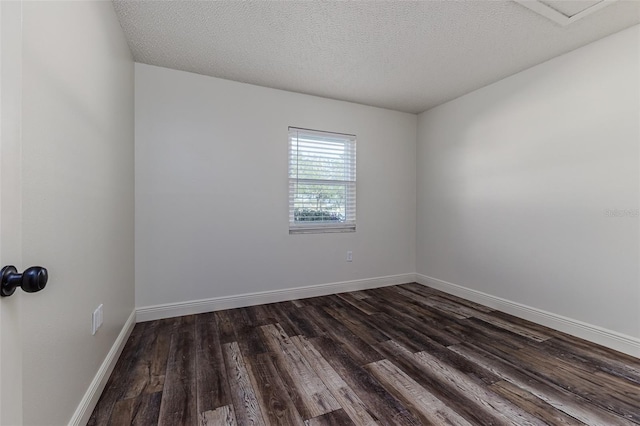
x,y
407,56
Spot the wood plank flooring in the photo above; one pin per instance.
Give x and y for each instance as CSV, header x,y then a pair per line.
x,y
401,355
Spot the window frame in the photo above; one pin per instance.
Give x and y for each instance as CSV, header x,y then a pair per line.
x,y
349,181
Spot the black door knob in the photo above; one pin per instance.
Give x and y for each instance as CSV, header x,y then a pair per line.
x,y
31,280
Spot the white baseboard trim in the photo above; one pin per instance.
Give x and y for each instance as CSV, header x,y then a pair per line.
x,y
91,397
170,310
611,339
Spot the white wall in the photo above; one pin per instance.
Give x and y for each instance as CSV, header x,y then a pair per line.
x,y
211,190
77,174
514,179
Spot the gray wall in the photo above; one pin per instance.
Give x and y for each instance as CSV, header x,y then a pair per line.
x,y
77,175
212,190
515,179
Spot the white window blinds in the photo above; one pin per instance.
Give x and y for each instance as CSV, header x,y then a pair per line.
x,y
322,181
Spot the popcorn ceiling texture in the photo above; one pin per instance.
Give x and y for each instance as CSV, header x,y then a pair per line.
x,y
406,56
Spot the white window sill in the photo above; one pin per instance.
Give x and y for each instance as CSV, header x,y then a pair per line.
x,y
321,229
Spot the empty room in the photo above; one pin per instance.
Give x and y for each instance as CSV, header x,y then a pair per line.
x,y
320,212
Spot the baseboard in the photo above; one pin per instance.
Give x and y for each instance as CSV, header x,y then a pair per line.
x,y
90,398
170,310
611,339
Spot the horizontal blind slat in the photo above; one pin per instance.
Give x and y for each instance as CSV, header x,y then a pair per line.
x,y
322,175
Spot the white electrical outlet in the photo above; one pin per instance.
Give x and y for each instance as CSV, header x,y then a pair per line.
x,y
96,319
349,256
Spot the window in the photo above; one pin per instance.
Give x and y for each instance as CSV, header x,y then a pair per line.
x,y
322,181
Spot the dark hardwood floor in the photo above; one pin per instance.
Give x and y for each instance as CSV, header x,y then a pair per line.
x,y
401,355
